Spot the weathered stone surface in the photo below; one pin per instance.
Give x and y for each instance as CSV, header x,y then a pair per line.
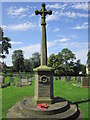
x,y
85,81
59,110
43,84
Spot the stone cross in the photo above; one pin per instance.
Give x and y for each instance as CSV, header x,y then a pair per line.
x,y
43,12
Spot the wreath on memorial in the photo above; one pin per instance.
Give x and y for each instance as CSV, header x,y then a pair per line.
x,y
42,106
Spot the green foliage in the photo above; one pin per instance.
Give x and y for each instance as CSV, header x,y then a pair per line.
x,y
64,63
4,46
27,65
35,60
18,60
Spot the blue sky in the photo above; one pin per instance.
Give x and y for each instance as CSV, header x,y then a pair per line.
x,y
67,27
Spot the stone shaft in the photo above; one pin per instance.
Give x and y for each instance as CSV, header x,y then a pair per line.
x,y
43,12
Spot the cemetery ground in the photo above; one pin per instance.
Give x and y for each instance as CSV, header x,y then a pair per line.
x,y
70,91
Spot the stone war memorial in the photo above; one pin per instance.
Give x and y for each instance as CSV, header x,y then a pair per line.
x,y
44,105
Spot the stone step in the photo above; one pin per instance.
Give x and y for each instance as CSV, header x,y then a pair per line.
x,y
19,111
57,107
72,113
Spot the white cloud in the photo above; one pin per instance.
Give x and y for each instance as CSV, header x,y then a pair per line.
x,y
17,12
82,6
82,55
80,27
56,30
15,43
70,14
21,27
56,6
50,44
57,15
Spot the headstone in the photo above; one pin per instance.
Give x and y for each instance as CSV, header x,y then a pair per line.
x,y
12,80
23,77
67,78
79,79
85,81
59,77
75,78
24,82
29,80
62,78
1,79
56,78
19,83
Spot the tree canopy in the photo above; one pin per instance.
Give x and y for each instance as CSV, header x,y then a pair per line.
x,y
18,60
4,45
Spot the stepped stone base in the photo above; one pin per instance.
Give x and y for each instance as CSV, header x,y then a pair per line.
x,y
60,109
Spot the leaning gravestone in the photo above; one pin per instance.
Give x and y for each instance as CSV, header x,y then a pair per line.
x,y
44,105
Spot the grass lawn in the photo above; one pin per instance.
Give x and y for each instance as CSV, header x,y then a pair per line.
x,y
12,94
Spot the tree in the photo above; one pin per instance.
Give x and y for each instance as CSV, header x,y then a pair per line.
x,y
5,45
68,61
27,65
35,60
55,61
18,60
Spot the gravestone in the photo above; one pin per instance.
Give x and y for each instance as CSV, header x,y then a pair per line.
x,y
62,78
23,77
59,77
29,80
75,78
19,83
56,78
24,82
85,81
12,80
79,79
68,78
1,79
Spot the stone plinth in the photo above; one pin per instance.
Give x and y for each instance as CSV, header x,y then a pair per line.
x,y
43,84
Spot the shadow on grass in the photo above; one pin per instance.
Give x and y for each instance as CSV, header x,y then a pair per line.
x,y
83,101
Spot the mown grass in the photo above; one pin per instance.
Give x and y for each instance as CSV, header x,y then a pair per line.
x,y
12,94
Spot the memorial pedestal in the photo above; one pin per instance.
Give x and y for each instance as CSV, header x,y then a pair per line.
x,y
43,84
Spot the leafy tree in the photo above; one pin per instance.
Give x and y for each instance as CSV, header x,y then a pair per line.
x,y
18,60
68,61
55,61
35,60
27,65
5,45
